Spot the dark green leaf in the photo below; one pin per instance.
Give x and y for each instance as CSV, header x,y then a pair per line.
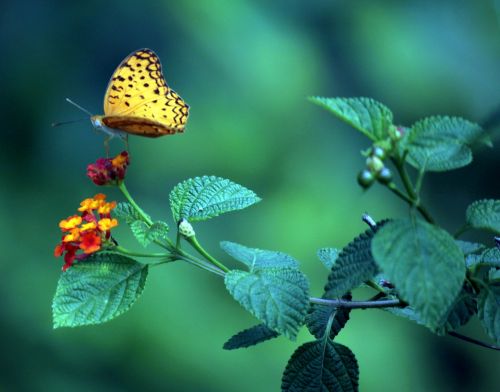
x,y
425,264
250,337
318,315
202,198
442,143
490,257
489,310
484,214
97,289
257,258
321,366
469,247
328,256
278,297
365,114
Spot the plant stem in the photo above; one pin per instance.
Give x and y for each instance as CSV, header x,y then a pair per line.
x,y
375,285
461,230
473,341
195,244
138,254
341,303
129,198
201,264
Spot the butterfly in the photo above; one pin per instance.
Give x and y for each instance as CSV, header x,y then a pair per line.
x,y
138,101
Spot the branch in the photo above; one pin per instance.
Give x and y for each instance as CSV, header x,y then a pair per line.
x,y
341,303
474,341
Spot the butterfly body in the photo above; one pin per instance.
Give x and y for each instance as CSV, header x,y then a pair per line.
x,y
138,100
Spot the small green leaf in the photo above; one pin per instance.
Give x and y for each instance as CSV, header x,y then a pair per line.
x,y
469,247
328,256
97,289
202,198
158,230
250,337
256,259
489,310
320,367
441,143
277,297
494,275
484,214
354,265
368,116
489,257
140,230
461,311
425,264
125,211
318,315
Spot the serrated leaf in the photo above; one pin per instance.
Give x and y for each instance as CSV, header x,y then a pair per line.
x,y
328,256
97,289
277,297
321,366
202,198
489,310
441,143
256,259
250,337
469,247
424,263
125,211
489,257
484,214
368,116
318,316
354,265
140,230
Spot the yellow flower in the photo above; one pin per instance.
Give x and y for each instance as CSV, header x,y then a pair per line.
x,y
106,224
70,223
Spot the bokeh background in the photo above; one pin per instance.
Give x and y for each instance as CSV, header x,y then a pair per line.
x,y
246,68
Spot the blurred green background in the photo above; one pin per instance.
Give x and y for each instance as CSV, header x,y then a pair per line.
x,y
246,68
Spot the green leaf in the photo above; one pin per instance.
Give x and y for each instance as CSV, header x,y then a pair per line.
x,y
319,367
98,289
256,259
202,198
494,275
463,308
250,337
469,247
484,214
354,265
146,234
125,211
328,256
489,257
442,143
318,315
277,297
425,264
489,310
368,116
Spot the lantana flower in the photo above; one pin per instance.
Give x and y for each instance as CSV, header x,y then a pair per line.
x,y
109,171
88,232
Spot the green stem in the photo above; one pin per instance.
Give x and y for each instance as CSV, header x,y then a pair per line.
x,y
129,198
195,244
127,252
342,303
461,230
375,285
201,264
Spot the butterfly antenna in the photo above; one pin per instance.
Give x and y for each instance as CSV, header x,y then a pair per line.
x,y
56,124
79,107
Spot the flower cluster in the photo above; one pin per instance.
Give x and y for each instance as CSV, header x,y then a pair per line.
x,y
86,233
108,171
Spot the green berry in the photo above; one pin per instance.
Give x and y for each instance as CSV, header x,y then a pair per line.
x,y
366,178
385,176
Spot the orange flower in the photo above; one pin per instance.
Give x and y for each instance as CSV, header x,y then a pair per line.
x,y
109,171
90,242
70,223
106,224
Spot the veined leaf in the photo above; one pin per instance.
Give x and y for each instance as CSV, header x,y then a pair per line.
x,y
320,367
328,256
484,214
489,310
424,263
97,290
146,234
354,265
250,337
489,257
125,211
368,116
202,198
442,143
256,259
469,247
318,316
279,297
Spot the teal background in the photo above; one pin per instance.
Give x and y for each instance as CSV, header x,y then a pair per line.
x,y
245,68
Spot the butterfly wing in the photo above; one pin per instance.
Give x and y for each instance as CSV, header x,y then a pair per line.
x,y
139,101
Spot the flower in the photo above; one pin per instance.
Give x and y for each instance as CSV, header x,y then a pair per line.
x,y
109,171
86,233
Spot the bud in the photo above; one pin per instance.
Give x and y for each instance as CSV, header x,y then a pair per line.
x,y
366,178
385,176
378,152
185,228
375,164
